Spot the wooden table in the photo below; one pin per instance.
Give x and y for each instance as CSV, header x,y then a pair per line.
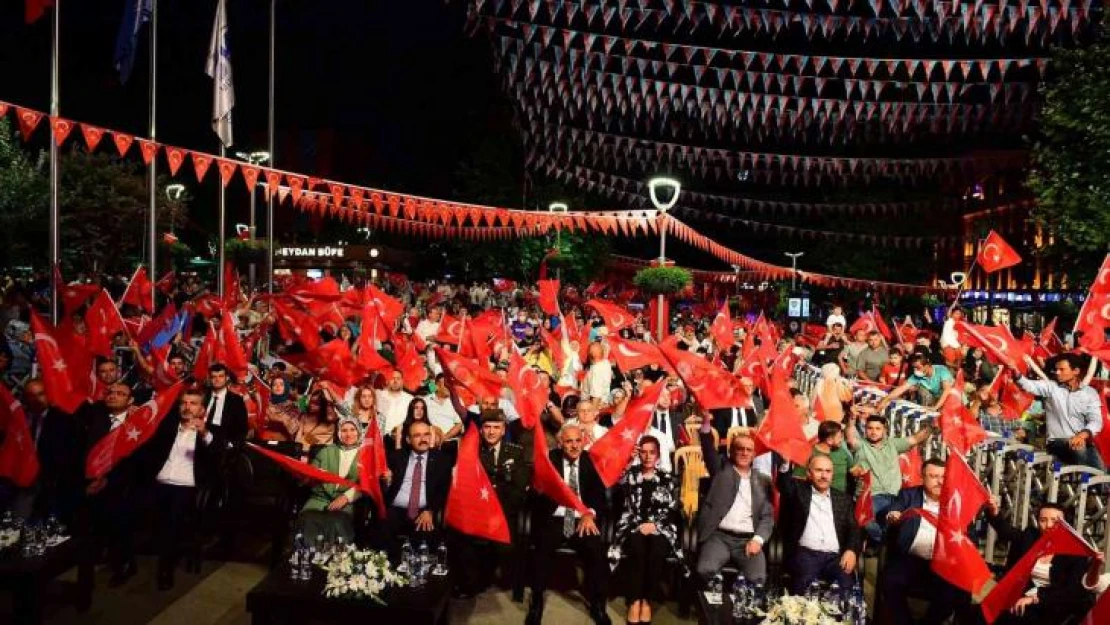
x,y
278,599
27,579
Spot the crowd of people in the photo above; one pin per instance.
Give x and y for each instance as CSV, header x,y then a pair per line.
x,y
318,368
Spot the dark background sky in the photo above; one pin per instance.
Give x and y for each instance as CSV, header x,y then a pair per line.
x,y
387,93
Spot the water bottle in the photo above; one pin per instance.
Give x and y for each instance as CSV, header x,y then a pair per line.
x,y
423,562
832,597
740,600
814,590
715,589
759,600
406,558
441,559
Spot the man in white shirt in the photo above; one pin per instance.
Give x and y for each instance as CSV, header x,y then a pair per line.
x,y
835,317
820,534
429,326
441,410
950,339
737,517
599,376
393,402
179,448
908,567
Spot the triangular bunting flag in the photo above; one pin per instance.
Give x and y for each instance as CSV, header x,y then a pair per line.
x,y
62,128
174,156
28,120
122,141
201,163
93,135
149,150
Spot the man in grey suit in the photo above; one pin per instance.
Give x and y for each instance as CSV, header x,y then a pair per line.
x,y
736,518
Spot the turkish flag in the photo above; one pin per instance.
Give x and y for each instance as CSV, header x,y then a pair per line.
x,y
73,296
996,254
162,378
19,462
390,308
781,428
958,427
137,428
372,465
616,317
323,290
368,359
955,556
721,329
631,355
450,330
67,372
613,451
206,354
166,283
999,344
102,323
907,332
1093,319
1014,400
502,285
230,352
866,324
881,325
328,316
1048,344
711,386
1100,614
140,291
332,362
1101,440
296,325
33,10
472,504
910,464
549,296
413,371
470,375
1060,540
865,508
547,481
529,395
302,469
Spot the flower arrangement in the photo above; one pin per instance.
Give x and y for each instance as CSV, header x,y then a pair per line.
x,y
797,609
9,537
360,574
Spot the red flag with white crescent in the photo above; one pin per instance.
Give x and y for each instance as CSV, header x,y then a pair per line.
x,y
137,428
996,254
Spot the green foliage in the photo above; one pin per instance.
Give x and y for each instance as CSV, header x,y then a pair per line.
x,y
662,280
1071,174
243,252
102,203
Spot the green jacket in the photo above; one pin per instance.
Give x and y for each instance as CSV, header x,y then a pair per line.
x,y
323,494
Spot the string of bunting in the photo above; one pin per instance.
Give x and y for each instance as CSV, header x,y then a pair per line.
x,y
631,192
916,18
612,151
408,213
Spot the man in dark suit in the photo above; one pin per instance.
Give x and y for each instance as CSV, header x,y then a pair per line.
x,y
819,532
420,479
554,526
176,459
747,415
736,517
226,411
1066,598
667,419
510,473
911,552
111,498
59,488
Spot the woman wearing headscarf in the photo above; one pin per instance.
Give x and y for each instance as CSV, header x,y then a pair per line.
x,y
282,415
329,510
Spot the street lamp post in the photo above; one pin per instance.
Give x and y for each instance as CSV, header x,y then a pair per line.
x,y
558,207
661,205
794,269
256,159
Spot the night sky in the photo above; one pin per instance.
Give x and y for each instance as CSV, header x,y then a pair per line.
x,y
389,94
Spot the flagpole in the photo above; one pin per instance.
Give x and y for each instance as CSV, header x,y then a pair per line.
x,y
152,183
55,154
270,149
222,227
967,279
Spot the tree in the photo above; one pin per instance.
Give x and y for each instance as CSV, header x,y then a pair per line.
x,y
103,205
1071,156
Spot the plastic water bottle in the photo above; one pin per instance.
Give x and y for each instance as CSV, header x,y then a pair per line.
x,y
759,599
814,590
715,589
423,562
741,605
832,596
441,559
406,558
295,557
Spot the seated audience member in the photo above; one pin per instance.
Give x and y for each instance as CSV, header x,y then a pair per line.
x,y
930,381
1062,587
977,369
878,455
736,517
830,442
647,530
820,536
441,410
747,415
554,526
1073,412
894,371
587,421
329,510
911,552
832,392
393,401
282,414
420,479
417,412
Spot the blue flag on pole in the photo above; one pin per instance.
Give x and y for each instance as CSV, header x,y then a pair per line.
x,y
135,14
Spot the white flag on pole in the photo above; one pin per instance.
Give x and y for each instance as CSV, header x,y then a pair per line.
x,y
219,70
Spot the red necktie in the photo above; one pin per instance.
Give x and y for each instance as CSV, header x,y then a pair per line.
x,y
414,492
